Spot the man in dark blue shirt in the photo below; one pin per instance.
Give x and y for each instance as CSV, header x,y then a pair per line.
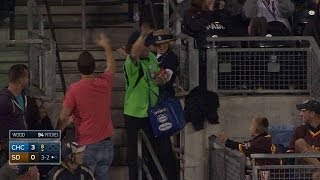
x,y
13,101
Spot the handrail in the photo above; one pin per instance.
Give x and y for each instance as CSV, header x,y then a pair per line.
x,y
142,138
25,41
285,156
219,164
53,33
34,9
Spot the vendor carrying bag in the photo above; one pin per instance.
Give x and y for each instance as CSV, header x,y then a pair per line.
x,y
166,117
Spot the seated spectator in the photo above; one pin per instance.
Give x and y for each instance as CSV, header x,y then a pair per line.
x,y
37,117
261,142
306,138
71,167
313,26
301,15
5,7
272,10
258,26
206,18
277,28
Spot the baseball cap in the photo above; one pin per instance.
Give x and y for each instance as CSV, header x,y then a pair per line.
x,y
135,35
71,148
311,105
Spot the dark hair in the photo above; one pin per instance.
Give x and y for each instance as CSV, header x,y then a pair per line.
x,y
147,21
277,28
86,63
134,37
197,4
258,26
196,8
17,72
262,124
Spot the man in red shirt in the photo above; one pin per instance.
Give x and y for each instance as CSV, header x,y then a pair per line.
x,y
89,103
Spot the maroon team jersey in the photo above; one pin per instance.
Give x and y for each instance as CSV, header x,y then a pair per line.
x,y
261,144
309,134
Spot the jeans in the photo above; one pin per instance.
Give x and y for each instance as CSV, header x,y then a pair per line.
x,y
98,158
162,147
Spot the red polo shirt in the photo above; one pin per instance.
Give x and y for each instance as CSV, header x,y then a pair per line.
x,y
90,101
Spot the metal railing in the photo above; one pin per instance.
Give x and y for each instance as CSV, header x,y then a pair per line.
x,y
8,10
35,21
224,163
237,65
284,171
143,139
264,65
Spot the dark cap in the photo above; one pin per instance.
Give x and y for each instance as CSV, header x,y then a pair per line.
x,y
71,148
311,105
135,35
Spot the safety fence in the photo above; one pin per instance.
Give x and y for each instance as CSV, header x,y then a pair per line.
x,y
227,164
257,65
224,163
285,171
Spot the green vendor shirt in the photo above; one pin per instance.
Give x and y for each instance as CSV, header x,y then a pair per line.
x,y
137,87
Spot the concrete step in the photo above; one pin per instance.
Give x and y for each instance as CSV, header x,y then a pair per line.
x,y
119,137
8,57
73,37
119,80
68,54
54,109
76,9
70,67
120,157
119,173
73,2
117,101
75,21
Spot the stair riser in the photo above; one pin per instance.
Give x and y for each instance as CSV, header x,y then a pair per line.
x,y
72,21
74,36
90,9
119,80
117,117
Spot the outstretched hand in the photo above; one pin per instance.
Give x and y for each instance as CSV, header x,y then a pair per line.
x,y
222,138
145,29
122,51
103,41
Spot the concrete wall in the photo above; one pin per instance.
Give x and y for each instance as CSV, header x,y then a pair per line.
x,y
236,113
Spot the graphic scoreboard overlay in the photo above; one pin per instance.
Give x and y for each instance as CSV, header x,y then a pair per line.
x,y
35,147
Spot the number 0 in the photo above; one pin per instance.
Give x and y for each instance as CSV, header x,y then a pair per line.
x,y
32,157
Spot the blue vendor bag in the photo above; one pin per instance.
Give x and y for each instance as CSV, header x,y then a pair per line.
x,y
166,117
